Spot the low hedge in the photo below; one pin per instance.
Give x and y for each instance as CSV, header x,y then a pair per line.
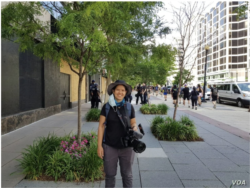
x,y
171,130
62,158
154,109
93,114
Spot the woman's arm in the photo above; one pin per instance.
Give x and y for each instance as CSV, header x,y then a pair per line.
x,y
101,129
133,124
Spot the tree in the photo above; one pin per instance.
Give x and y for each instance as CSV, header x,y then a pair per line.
x,y
87,36
151,68
242,11
185,76
187,17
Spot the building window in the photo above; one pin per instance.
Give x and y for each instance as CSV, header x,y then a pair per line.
x,y
223,28
233,18
215,62
223,21
223,5
233,26
222,13
232,9
222,36
222,44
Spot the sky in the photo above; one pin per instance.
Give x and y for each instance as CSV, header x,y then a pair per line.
x,y
167,16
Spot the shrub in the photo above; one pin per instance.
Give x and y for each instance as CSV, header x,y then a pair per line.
x,y
154,109
186,121
93,114
58,163
35,156
145,109
63,157
172,130
163,108
157,120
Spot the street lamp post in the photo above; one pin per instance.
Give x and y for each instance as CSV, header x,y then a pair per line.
x,y
205,75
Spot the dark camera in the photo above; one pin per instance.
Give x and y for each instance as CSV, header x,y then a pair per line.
x,y
131,140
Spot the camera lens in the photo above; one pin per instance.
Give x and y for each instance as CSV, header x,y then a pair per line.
x,y
139,146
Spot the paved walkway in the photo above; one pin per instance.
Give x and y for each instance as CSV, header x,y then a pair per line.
x,y
222,158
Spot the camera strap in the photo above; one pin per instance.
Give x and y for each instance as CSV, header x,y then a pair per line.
x,y
127,118
120,117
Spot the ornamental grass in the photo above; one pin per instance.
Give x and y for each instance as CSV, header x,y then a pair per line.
x,y
154,109
93,114
171,130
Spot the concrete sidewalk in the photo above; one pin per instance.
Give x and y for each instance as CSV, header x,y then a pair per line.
x,y
216,162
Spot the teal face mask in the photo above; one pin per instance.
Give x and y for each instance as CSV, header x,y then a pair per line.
x,y
112,100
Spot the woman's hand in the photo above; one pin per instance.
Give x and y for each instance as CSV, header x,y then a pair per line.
x,y
100,152
134,128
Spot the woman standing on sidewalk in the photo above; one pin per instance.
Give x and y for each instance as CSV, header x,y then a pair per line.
x,y
194,96
110,146
199,89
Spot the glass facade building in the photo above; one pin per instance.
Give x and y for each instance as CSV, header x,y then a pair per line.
x,y
228,40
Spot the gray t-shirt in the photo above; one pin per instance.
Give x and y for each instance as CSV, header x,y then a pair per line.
x,y
165,89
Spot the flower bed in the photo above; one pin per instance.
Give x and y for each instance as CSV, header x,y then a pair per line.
x,y
62,158
154,109
93,115
171,130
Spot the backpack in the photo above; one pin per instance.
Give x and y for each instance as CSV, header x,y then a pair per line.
x,y
215,91
107,108
175,92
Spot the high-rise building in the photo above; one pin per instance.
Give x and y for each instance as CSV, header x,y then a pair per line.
x,y
229,44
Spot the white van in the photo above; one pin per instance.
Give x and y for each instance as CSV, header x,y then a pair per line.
x,y
234,92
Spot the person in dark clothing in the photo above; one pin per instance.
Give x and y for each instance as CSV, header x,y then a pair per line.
x,y
110,131
194,97
95,94
144,94
128,98
214,95
175,92
200,90
139,94
186,95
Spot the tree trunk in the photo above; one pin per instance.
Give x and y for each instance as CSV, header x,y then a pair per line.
x,y
107,84
177,101
79,130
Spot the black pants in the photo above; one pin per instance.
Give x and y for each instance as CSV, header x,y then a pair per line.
x,y
94,102
144,98
137,98
194,101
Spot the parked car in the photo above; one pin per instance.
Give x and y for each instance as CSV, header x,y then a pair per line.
x,y
234,92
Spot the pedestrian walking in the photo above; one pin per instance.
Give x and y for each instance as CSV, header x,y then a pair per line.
x,y
111,130
139,94
175,94
186,95
95,96
194,97
156,89
165,92
181,95
199,89
215,95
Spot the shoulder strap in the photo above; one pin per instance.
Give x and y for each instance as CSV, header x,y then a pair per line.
x,y
107,108
129,108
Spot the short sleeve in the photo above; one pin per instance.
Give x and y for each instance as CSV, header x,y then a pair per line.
x,y
103,112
